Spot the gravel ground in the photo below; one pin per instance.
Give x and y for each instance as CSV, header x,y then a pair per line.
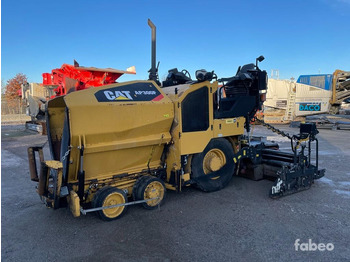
x,y
238,223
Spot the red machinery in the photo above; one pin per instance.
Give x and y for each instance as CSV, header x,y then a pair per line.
x,y
70,78
61,81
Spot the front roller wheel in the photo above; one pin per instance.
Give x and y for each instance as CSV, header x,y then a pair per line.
x,y
148,187
110,196
212,169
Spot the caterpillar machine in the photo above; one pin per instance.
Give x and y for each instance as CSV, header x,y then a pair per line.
x,y
127,143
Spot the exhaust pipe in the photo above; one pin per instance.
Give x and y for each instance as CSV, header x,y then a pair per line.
x,y
153,72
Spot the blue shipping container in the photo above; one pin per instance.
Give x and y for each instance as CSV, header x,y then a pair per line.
x,y
321,81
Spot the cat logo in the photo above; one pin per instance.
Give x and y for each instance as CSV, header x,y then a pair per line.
x,y
135,92
118,95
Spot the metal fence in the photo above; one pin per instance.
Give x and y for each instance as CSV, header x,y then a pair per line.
x,y
13,112
15,108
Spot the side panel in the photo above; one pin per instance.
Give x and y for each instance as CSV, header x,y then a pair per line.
x,y
311,100
189,137
123,128
323,81
196,114
55,121
229,127
196,141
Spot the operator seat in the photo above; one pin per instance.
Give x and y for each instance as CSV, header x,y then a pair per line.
x,y
238,101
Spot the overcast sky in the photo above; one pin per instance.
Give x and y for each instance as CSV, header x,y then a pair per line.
x,y
296,37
